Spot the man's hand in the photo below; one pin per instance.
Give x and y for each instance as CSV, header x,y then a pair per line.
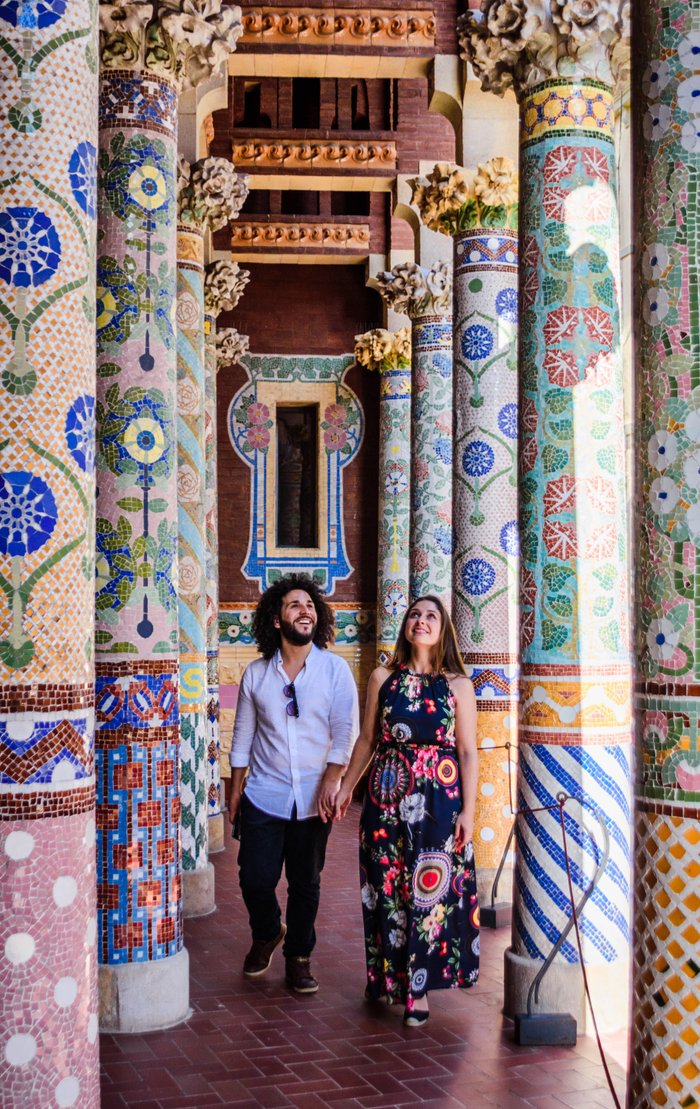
x,y
330,784
234,800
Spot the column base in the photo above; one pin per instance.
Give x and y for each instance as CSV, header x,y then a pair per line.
x,y
198,891
144,997
561,991
484,883
217,829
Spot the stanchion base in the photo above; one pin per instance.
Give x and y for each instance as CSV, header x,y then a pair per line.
x,y
496,916
536,1029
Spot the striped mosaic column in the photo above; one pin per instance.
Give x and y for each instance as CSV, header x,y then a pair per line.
x,y
222,348
208,197
665,1068
425,296
48,132
478,209
139,849
575,724
390,354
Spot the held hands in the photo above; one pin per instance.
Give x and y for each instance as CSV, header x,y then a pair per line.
x,y
330,785
342,802
464,831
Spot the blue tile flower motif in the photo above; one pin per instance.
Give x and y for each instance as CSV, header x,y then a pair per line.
x,y
32,14
477,342
30,249
442,363
507,305
28,513
510,538
477,458
478,577
443,539
140,181
443,449
508,420
82,173
118,302
80,432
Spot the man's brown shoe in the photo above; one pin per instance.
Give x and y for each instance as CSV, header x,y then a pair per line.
x,y
259,957
299,975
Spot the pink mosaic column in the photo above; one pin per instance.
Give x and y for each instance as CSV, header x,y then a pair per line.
x,y
48,133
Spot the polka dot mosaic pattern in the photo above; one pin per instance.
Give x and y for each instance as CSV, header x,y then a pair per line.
x,y
667,844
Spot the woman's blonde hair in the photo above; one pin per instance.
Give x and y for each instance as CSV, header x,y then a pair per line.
x,y
446,656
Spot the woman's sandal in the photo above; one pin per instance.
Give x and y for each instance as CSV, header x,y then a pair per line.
x,y
414,1018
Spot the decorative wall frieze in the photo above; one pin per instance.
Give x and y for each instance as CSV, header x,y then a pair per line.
x,y
384,350
521,43
346,27
224,282
320,154
231,346
298,236
183,40
210,192
452,199
415,291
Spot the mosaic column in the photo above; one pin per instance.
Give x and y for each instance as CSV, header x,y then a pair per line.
x,y
575,721
145,62
221,348
209,196
425,296
665,1068
390,354
479,210
48,948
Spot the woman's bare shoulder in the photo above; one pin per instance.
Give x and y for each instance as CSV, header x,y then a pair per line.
x,y
459,683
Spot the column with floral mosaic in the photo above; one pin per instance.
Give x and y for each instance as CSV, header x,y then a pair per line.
x,y
148,54
666,1024
479,210
390,354
575,725
48,130
210,194
221,348
425,296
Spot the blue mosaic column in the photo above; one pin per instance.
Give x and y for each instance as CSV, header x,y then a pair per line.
x,y
48,942
214,809
575,712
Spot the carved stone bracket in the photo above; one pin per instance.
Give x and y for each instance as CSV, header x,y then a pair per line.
x,y
323,154
415,291
346,27
297,236
384,350
224,282
520,43
210,192
231,346
183,40
453,199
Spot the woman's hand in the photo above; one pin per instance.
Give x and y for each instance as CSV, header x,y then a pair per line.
x,y
342,802
464,831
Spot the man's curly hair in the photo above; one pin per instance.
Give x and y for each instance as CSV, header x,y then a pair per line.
x,y
267,636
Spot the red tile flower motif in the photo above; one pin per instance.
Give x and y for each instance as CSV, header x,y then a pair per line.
x,y
561,369
561,540
560,496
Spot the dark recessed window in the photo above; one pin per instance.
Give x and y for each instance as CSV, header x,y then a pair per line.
x,y
349,204
299,202
252,115
297,475
306,103
257,203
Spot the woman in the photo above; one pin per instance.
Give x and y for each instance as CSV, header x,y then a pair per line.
x,y
419,901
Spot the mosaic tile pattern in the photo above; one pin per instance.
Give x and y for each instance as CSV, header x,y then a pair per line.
x,y
665,1069
485,504
250,420
137,525
431,457
192,545
48,133
354,624
212,568
394,506
575,678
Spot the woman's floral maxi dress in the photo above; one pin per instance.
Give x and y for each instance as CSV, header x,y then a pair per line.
x,y
419,903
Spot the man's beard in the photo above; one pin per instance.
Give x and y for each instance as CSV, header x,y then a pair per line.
x,y
295,637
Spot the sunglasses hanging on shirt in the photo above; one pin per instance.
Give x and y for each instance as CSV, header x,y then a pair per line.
x,y
292,706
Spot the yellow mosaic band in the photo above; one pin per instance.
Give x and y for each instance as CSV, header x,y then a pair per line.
x,y
565,106
575,705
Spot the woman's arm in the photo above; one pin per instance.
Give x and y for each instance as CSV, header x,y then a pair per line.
x,y
467,757
367,741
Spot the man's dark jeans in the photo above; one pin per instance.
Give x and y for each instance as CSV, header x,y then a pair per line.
x,y
267,842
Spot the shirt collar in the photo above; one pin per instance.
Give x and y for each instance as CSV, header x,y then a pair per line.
x,y
309,664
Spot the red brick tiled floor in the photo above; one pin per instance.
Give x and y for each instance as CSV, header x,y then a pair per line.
x,y
256,1044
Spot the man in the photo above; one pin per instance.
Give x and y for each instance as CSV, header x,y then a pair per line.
x,y
296,724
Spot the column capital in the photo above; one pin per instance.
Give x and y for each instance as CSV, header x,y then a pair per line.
x,y
231,346
411,289
210,192
182,40
384,350
452,199
224,282
521,43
